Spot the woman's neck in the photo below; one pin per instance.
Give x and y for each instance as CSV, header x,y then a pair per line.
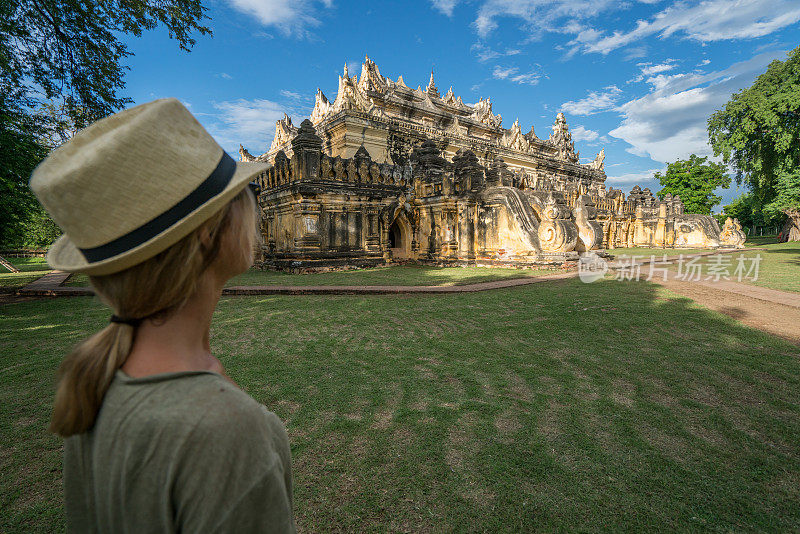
x,y
181,341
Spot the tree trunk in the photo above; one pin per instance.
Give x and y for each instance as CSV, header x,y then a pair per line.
x,y
791,229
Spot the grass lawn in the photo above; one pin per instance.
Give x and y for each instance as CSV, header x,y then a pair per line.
x,y
402,275
31,269
779,267
762,240
556,407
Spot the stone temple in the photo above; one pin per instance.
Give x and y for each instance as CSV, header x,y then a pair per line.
x,y
388,173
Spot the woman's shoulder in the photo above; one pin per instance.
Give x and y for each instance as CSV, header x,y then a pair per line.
x,y
205,402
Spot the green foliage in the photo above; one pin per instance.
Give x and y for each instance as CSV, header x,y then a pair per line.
x,y
758,133
694,180
40,230
751,212
70,49
60,69
787,193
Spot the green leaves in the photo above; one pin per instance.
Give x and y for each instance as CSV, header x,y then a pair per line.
x,y
60,70
694,180
69,49
758,133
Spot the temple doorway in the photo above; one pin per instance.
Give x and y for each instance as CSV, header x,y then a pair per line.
x,y
399,239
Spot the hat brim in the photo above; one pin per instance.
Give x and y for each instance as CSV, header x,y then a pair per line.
x,y
65,256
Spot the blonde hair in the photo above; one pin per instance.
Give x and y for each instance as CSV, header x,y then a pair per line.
x,y
152,289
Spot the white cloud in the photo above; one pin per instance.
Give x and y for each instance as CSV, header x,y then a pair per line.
x,y
290,17
579,133
538,16
711,20
485,53
296,97
513,74
445,6
225,75
249,122
670,122
649,69
642,179
635,52
704,63
594,102
501,73
703,21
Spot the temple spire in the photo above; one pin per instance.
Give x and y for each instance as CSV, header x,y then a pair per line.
x,y
431,89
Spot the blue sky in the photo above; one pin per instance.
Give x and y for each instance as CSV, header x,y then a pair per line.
x,y
639,78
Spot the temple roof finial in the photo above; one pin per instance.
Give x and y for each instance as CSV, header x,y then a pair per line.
x,y
431,89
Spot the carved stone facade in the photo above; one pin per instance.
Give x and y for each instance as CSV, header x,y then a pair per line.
x,y
387,173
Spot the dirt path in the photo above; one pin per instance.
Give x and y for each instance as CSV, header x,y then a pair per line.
x,y
775,312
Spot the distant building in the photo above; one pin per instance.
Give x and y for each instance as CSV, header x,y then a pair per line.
x,y
387,173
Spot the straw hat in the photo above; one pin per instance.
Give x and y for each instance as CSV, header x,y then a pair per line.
x,y
132,184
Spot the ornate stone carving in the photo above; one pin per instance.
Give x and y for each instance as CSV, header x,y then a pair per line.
x,y
590,231
450,98
515,140
732,234
498,174
352,171
307,147
467,171
599,161
282,168
322,108
349,96
244,155
431,89
375,174
371,79
561,139
555,233
284,131
482,112
426,159
455,128
326,168
338,169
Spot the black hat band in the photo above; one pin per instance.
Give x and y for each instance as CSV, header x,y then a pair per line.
x,y
216,182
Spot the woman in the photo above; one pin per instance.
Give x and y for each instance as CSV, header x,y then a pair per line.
x,y
158,439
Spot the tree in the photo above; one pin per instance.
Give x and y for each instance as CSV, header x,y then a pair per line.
x,y
60,69
758,133
751,213
694,180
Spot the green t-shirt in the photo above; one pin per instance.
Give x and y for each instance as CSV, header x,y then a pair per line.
x,y
179,452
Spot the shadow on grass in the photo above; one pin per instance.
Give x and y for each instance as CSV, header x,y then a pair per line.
x,y
557,406
392,275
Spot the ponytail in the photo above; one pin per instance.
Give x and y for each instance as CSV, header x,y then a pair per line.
x,y
154,289
85,375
